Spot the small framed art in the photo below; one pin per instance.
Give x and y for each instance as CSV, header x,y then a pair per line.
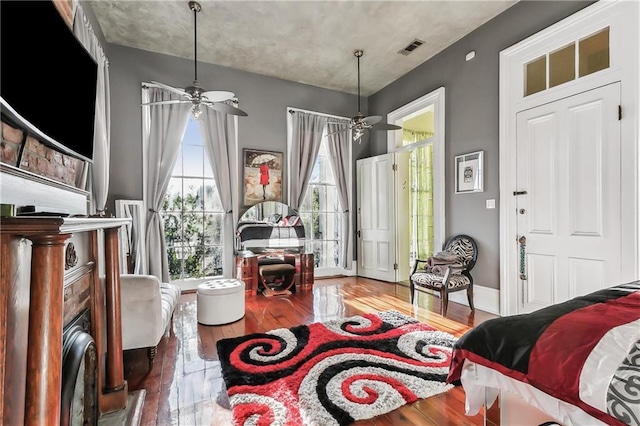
x,y
469,172
262,176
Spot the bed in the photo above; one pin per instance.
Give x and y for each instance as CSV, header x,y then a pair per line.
x,y
578,361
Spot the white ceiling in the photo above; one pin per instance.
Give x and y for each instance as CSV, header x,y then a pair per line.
x,y
310,42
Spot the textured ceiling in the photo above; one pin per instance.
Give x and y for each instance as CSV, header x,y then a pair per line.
x,y
310,42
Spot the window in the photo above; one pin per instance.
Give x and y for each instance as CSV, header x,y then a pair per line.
x,y
321,209
192,213
592,54
321,213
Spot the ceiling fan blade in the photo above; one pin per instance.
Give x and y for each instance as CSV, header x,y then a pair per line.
x,y
171,89
372,119
385,126
226,108
174,101
217,95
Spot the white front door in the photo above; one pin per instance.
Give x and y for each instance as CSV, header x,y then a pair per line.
x,y
376,224
569,211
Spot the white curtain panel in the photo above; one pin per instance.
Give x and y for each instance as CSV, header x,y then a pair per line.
x,y
306,140
99,169
219,135
163,137
339,145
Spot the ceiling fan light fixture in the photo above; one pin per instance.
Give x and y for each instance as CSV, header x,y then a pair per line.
x,y
196,111
360,123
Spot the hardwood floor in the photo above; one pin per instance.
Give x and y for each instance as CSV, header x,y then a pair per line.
x,y
185,386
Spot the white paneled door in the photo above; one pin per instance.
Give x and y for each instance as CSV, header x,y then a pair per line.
x,y
568,198
376,229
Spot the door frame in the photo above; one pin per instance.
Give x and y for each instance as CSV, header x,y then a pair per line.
x,y
437,98
622,17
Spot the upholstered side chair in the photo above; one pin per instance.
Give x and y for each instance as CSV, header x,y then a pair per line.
x,y
454,278
147,307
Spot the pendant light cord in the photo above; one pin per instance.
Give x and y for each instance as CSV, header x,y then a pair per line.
x,y
358,84
195,43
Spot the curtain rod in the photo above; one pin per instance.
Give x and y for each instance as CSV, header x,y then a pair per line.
x,y
292,110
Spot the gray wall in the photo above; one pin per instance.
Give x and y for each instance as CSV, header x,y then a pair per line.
x,y
471,114
265,100
471,111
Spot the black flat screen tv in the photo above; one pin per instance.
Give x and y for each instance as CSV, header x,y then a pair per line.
x,y
47,78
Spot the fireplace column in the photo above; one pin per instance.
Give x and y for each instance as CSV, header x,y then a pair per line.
x,y
115,389
44,353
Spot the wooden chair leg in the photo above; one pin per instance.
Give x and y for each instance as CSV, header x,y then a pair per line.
x,y
412,290
261,279
470,296
287,282
151,354
444,292
444,302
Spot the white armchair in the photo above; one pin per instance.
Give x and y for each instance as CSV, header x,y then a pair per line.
x,y
147,309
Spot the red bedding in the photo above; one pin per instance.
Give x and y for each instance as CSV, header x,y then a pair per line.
x,y
585,352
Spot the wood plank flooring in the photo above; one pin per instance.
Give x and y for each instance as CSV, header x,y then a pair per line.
x,y
185,386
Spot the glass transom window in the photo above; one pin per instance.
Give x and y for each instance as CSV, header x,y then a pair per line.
x,y
575,60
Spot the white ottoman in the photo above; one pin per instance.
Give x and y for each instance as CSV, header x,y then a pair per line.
x,y
220,301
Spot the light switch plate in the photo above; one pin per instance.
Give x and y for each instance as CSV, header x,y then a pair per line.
x,y
491,204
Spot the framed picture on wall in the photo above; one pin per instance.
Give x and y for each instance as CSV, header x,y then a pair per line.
x,y
262,176
469,171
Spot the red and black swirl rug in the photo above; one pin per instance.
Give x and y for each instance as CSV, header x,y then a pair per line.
x,y
336,372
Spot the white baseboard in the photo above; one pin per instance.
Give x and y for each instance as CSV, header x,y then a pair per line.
x,y
353,271
484,298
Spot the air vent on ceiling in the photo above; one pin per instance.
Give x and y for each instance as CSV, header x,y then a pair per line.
x,y
411,47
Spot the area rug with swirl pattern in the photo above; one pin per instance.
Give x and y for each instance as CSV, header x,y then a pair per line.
x,y
334,372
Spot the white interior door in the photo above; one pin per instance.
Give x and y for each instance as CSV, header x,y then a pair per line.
x,y
403,217
376,224
569,164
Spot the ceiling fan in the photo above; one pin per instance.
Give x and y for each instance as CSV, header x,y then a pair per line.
x,y
359,123
195,94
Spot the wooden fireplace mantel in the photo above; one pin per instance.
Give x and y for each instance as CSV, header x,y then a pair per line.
x,y
43,258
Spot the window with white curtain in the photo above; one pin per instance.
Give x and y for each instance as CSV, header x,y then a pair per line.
x,y
320,211
192,213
